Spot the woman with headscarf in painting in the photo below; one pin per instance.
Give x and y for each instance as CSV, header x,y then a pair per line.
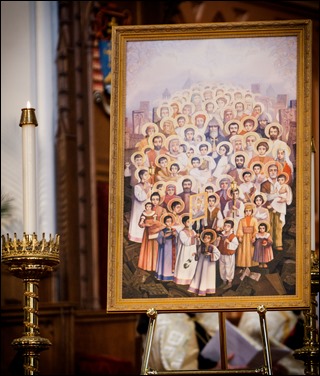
x,y
281,154
170,193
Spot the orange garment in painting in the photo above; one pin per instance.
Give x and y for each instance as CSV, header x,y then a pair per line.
x,y
246,232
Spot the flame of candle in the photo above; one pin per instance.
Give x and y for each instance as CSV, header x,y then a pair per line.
x,y
28,105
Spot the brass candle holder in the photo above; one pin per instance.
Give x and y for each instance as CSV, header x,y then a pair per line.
x,y
28,116
30,259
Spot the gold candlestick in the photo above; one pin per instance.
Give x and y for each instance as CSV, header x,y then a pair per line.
x,y
30,260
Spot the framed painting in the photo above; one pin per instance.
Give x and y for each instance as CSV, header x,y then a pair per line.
x,y
216,115
198,207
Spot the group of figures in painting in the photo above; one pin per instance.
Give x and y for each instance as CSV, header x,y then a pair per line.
x,y
211,178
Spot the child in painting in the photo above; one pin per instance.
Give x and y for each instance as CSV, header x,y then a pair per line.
x,y
235,207
223,166
201,176
227,245
213,218
262,149
148,255
176,207
247,187
246,233
182,158
261,212
259,175
263,246
284,197
162,172
204,279
186,264
174,169
148,215
167,239
141,194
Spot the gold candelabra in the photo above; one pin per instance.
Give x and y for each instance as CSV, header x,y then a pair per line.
x,y
30,259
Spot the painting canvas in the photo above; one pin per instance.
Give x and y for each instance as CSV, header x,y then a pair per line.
x,y
214,118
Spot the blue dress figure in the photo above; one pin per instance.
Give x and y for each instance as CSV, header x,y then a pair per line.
x,y
167,239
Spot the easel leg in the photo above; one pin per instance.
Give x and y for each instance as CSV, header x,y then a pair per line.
x,y
223,346
152,314
265,340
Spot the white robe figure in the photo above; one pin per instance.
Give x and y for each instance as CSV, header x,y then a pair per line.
x,y
185,262
204,279
284,198
140,197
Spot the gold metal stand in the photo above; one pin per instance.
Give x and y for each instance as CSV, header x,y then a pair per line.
x,y
152,314
309,353
265,340
264,370
30,260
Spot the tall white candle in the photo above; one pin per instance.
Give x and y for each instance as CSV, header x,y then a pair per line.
x,y
28,123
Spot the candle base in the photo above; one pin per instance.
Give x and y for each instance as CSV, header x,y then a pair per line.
x,y
30,257
30,260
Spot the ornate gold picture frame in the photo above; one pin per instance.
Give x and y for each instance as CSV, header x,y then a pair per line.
x,y
219,111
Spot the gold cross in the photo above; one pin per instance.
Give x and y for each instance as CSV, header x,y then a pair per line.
x,y
113,22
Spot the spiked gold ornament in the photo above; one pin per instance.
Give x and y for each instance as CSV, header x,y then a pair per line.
x,y
30,259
